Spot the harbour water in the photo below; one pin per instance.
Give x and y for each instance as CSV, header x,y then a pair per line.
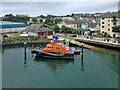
x,y
99,69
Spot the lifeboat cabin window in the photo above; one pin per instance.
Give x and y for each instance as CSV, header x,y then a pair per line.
x,y
52,47
57,47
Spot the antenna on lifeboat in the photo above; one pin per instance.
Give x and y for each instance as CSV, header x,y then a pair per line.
x,y
55,37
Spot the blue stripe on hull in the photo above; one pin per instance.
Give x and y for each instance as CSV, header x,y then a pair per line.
x,y
58,54
51,55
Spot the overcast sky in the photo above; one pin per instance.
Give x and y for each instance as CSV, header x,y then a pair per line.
x,y
57,8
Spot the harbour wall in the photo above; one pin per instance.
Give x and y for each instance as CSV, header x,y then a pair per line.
x,y
28,43
107,45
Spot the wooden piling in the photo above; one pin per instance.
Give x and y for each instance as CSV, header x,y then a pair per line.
x,y
82,51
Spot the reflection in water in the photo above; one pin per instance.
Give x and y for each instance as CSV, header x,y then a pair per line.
x,y
58,63
82,63
112,58
25,63
53,63
98,67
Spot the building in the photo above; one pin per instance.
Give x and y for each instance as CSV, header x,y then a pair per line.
x,y
83,32
38,30
75,24
108,22
94,27
6,27
38,20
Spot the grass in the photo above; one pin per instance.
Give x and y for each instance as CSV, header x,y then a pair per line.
x,y
74,36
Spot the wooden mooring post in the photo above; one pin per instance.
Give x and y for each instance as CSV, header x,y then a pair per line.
x,y
82,51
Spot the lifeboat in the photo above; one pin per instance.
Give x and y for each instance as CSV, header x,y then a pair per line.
x,y
54,50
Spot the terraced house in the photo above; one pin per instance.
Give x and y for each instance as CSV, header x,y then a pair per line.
x,y
110,23
75,24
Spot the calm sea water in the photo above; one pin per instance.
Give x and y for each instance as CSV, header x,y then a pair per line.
x,y
99,69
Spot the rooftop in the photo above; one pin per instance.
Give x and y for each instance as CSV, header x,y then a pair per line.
x,y
111,14
92,25
8,24
76,21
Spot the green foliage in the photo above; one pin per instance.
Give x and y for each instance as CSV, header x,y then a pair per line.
x,y
50,24
98,33
66,29
42,16
57,20
105,33
34,38
56,28
34,20
40,20
8,40
10,17
49,19
23,39
74,36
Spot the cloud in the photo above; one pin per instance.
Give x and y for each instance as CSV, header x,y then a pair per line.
x,y
56,8
60,0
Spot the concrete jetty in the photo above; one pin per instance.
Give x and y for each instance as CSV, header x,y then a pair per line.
x,y
91,44
76,43
103,44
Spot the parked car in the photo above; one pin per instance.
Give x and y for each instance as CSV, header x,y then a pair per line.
x,y
87,37
112,40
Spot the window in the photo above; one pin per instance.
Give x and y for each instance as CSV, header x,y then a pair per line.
x,y
108,24
102,22
102,31
114,23
52,47
103,27
56,47
102,18
108,29
48,47
114,35
108,20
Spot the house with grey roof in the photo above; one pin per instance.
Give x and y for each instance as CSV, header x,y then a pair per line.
x,y
38,29
94,27
75,24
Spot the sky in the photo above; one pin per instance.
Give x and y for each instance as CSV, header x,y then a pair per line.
x,y
62,7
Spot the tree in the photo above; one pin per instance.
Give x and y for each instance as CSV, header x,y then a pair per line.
x,y
8,17
72,14
105,33
17,18
66,29
56,28
50,24
40,20
34,20
57,20
42,16
49,19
